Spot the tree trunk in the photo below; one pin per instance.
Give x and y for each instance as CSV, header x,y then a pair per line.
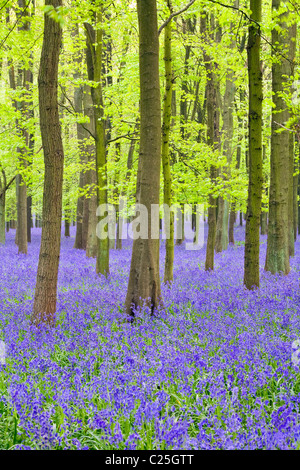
x,y
144,281
277,259
46,286
123,191
180,220
78,244
29,218
232,220
298,205
25,78
2,207
186,27
264,223
233,213
80,100
292,55
227,134
167,111
18,177
94,61
30,136
264,213
295,202
91,247
108,81
22,214
67,228
213,140
92,244
291,195
251,261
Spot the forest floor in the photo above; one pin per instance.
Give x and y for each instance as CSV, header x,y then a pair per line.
x,y
214,370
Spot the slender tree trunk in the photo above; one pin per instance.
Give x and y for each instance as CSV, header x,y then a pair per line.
x,y
123,191
18,177
264,223
298,205
251,263
82,101
291,195
94,59
213,141
232,219
22,215
67,228
167,111
78,98
88,155
67,209
186,27
116,196
180,220
295,202
17,105
292,56
91,247
92,243
277,259
227,134
119,230
46,286
29,218
264,213
79,215
25,77
29,162
108,81
2,207
144,281
233,213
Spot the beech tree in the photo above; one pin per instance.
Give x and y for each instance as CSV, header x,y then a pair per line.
x,y
44,307
292,32
144,280
277,258
251,263
95,64
165,151
82,204
213,119
222,230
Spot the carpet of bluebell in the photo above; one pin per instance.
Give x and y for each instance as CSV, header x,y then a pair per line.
x,y
212,370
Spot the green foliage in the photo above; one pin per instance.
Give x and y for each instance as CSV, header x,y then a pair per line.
x,y
191,157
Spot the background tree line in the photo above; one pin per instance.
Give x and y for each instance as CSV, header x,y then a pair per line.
x,y
180,103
